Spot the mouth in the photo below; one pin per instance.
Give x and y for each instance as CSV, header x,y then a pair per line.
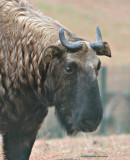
x,y
87,127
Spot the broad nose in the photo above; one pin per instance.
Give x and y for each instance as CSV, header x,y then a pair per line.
x,y
91,124
88,122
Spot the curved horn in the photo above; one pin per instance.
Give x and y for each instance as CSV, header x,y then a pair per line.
x,y
69,45
98,44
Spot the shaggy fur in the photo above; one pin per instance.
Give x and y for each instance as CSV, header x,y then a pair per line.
x,y
32,77
22,106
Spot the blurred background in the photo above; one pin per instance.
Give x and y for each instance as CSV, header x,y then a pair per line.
x,y
113,18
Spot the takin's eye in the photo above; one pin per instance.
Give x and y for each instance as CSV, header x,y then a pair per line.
x,y
70,68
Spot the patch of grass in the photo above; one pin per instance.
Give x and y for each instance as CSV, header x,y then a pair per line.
x,y
44,6
59,9
102,147
66,9
70,14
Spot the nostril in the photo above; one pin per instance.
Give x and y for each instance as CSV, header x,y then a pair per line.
x,y
92,122
89,124
99,119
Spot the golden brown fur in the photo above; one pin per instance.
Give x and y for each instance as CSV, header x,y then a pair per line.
x,y
23,37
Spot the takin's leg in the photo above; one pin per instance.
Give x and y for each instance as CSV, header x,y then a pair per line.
x,y
19,140
18,146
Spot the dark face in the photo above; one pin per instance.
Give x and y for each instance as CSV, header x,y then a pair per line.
x,y
72,87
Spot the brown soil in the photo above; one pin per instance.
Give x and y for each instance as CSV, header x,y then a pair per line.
x,y
85,148
93,148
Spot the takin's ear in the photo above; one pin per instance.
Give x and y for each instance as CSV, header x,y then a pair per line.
x,y
51,52
105,50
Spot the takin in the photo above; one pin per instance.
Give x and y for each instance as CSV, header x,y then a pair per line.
x,y
43,64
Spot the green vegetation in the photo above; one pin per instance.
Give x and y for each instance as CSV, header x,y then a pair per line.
x,y
71,15
59,9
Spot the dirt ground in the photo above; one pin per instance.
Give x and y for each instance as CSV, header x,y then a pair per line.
x,y
86,148
94,148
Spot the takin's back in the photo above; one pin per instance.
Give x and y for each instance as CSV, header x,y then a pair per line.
x,y
24,34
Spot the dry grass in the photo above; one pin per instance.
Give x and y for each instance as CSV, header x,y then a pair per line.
x,y
85,148
115,147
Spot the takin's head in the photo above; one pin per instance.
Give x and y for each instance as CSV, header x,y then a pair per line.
x,y
71,82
